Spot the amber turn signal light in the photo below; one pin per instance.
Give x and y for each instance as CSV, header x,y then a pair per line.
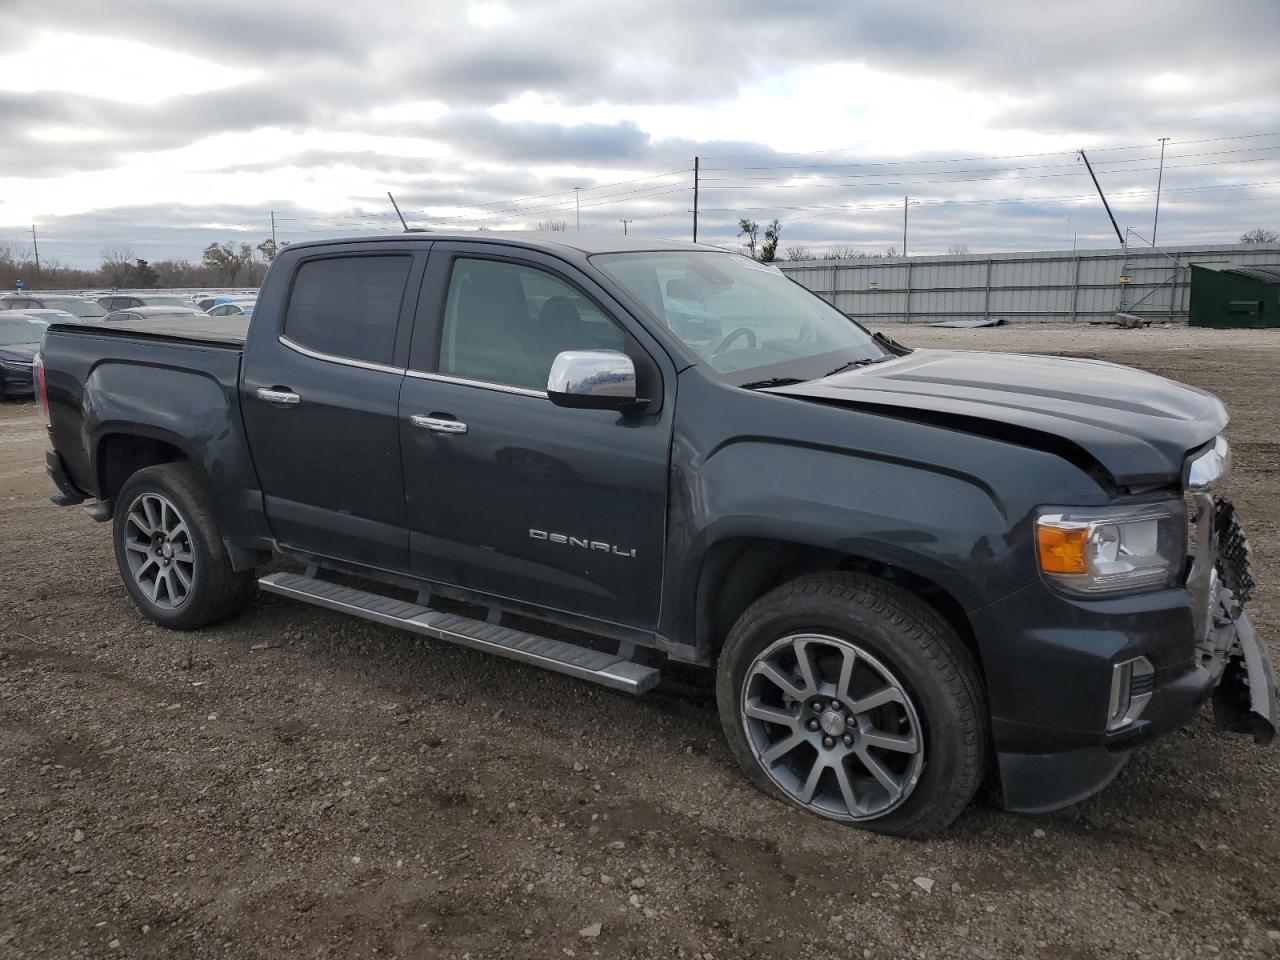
x,y
1062,550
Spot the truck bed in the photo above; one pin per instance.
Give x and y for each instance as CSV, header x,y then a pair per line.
x,y
221,330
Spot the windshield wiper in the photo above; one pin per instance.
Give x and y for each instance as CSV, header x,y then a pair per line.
x,y
864,362
770,382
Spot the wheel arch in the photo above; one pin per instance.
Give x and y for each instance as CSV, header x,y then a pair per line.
x,y
118,455
739,570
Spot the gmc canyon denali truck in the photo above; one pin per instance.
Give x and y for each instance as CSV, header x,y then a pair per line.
x,y
909,568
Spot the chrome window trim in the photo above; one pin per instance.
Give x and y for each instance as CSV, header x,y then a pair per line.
x,y
330,358
481,384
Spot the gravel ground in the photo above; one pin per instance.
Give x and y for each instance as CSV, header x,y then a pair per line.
x,y
297,784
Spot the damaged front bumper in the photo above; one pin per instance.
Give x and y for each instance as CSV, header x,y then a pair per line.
x,y
1055,747
1244,696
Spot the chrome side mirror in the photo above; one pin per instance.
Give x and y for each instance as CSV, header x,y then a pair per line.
x,y
592,380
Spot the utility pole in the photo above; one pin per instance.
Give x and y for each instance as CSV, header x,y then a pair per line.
x,y
695,199
577,206
273,229
36,243
624,225
904,226
1114,225
1159,180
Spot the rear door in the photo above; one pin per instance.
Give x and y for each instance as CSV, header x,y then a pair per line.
x,y
508,494
320,394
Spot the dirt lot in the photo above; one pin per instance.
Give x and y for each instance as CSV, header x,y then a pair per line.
x,y
294,783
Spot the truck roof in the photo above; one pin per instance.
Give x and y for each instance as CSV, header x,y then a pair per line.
x,y
551,241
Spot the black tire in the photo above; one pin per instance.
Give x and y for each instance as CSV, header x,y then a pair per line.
x,y
216,591
908,638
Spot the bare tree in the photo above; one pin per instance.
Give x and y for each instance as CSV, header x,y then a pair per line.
x,y
843,251
117,265
798,251
553,226
957,249
1259,235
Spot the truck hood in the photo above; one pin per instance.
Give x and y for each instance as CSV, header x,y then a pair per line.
x,y
1136,426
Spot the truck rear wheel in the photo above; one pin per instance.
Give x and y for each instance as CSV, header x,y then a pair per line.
x,y
169,553
851,698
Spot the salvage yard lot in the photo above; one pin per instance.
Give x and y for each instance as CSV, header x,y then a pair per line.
x,y
295,783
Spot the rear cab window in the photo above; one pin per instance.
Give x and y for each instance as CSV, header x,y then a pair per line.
x,y
348,307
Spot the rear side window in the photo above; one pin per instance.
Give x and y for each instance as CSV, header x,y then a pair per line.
x,y
348,306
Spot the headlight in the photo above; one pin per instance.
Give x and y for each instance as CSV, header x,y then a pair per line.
x,y
1110,550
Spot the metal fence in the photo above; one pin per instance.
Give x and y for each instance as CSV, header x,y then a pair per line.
x,y
1059,286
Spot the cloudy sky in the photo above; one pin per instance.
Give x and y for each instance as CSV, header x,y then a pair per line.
x,y
166,125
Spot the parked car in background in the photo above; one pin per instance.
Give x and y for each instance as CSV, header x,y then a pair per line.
x,y
19,342
128,301
54,316
153,313
236,308
84,307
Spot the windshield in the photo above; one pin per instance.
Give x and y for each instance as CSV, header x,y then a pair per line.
x,y
165,301
13,332
81,308
738,315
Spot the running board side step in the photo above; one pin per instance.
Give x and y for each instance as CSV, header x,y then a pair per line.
x,y
607,669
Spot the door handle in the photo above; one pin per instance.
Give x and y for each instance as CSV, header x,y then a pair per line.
x,y
439,425
280,398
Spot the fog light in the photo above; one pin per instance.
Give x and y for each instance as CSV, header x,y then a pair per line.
x,y
1131,685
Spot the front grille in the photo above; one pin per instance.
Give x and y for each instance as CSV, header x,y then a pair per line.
x,y
1234,554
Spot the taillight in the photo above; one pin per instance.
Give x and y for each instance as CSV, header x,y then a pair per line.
x,y
42,389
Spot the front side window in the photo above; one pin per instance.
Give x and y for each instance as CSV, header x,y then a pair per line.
x,y
738,315
505,323
348,306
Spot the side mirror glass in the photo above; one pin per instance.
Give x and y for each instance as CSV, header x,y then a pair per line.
x,y
592,380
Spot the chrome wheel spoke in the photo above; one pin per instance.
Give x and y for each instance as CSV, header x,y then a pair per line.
x,y
139,520
136,547
805,664
880,698
811,783
901,742
882,773
782,748
782,681
848,660
846,787
761,711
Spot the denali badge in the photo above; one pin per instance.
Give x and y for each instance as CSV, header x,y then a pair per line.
x,y
584,544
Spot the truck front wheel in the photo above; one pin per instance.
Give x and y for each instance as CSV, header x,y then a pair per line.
x,y
169,553
853,699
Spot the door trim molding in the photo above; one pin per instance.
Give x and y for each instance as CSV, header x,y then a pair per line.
x,y
345,361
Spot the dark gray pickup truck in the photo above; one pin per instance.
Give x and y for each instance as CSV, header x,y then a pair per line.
x,y
910,569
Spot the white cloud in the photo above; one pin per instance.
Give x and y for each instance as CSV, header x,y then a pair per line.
x,y
113,69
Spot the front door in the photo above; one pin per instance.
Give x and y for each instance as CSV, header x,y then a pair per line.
x,y
508,494
320,401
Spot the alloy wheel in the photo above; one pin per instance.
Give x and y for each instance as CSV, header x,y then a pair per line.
x,y
158,546
832,726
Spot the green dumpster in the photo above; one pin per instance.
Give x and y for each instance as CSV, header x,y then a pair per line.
x,y
1237,297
